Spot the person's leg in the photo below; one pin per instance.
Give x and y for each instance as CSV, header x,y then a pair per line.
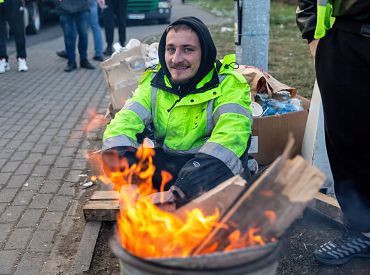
x,y
341,75
342,68
17,26
82,20
3,53
95,27
121,12
82,23
67,23
63,53
108,17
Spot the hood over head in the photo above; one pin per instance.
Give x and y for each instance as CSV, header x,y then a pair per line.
x,y
208,48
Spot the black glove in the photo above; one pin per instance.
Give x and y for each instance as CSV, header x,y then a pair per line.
x,y
201,174
112,158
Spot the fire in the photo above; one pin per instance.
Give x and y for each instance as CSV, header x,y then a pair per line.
x,y
146,230
96,120
271,216
250,238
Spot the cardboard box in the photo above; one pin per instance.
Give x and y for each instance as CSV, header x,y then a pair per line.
x,y
270,134
120,77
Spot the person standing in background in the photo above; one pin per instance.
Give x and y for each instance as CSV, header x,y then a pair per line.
x,y
338,33
114,9
95,28
11,11
75,14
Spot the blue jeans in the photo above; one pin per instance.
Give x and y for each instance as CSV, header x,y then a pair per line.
x,y
95,28
70,22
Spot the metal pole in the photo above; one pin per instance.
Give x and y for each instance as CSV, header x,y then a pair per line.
x,y
255,28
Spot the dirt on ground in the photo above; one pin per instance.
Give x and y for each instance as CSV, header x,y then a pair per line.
x,y
301,240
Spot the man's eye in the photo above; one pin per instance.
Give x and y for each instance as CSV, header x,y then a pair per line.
x,y
171,50
187,50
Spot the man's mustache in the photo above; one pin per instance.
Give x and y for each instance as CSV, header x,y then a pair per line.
x,y
179,65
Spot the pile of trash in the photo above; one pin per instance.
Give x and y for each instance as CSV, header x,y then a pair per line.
x,y
269,96
124,68
139,62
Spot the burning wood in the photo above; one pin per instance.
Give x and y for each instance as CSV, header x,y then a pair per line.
x,y
220,197
226,218
270,205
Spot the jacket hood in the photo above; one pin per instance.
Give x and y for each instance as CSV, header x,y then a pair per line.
x,y
208,49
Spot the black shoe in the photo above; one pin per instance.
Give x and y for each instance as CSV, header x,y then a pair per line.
x,y
86,64
108,51
340,251
71,66
98,58
62,54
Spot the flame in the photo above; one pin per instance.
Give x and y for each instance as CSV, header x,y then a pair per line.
x,y
250,238
270,215
96,120
146,230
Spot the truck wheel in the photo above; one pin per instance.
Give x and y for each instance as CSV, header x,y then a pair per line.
x,y
34,24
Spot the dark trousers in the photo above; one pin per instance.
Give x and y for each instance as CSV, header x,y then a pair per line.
x,y
115,9
71,22
343,71
10,11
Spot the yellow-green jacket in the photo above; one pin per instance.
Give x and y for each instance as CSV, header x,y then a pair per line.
x,y
216,122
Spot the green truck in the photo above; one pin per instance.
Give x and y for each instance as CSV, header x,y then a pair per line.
x,y
37,11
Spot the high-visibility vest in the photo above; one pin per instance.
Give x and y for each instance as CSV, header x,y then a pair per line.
x,y
324,20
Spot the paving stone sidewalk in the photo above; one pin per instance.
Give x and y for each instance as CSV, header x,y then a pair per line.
x,y
43,114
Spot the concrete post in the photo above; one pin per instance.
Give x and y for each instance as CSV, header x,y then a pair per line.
x,y
254,47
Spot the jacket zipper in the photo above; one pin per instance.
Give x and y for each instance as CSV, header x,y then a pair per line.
x,y
177,101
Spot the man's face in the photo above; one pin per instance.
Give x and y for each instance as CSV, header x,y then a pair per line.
x,y
183,54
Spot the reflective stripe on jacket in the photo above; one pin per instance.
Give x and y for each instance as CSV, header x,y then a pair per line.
x,y
216,122
324,20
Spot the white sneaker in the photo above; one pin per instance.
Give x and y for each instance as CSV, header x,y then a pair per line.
x,y
22,65
4,66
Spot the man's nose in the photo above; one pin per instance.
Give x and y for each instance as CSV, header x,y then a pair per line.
x,y
177,57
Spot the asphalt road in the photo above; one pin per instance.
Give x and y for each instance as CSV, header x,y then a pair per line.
x,y
51,30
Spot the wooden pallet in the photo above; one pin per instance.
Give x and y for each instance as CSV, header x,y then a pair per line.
x,y
104,206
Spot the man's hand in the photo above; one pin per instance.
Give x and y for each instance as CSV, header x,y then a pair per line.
x,y
101,3
313,47
164,200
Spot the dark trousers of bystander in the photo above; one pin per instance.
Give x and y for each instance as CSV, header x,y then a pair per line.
x,y
11,12
116,11
343,70
70,22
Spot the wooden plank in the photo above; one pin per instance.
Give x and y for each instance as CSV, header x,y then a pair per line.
x,y
327,206
101,210
220,197
104,195
271,204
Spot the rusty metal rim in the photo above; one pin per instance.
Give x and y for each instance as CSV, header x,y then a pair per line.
x,y
159,268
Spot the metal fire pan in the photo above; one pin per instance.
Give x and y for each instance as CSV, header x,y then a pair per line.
x,y
241,261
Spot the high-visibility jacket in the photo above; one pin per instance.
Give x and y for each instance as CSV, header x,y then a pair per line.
x,y
216,122
315,17
324,19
